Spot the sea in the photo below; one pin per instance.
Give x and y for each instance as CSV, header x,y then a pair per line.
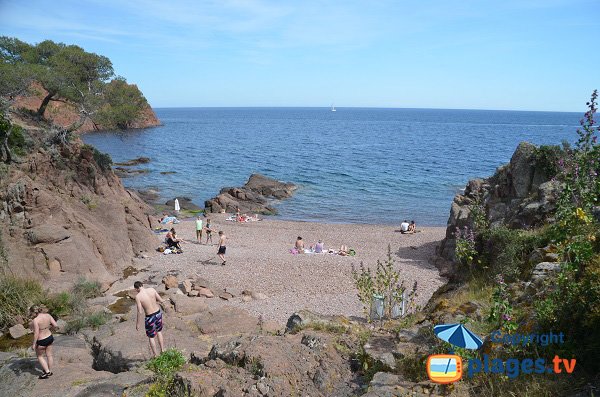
x,y
354,165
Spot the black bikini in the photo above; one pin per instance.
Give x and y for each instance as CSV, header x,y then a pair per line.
x,y
45,342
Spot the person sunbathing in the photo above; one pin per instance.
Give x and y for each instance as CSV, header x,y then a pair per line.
x,y
343,250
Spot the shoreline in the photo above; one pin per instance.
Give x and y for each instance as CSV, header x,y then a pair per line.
x,y
258,260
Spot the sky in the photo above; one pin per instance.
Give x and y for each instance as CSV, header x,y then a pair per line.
x,y
467,54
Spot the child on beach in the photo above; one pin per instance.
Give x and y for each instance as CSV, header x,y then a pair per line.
x,y
222,247
208,231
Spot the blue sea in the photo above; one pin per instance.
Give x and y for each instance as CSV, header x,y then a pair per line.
x,y
355,165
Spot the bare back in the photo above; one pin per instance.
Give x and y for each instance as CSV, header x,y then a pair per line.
x,y
222,241
148,299
43,321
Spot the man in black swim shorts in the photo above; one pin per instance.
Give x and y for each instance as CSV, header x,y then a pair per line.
x,y
147,301
222,247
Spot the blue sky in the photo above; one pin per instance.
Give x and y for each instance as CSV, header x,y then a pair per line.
x,y
472,54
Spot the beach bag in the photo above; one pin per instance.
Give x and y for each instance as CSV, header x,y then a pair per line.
x,y
161,249
351,252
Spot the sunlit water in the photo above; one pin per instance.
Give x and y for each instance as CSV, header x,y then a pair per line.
x,y
353,166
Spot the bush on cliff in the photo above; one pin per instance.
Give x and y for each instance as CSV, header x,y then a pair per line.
x,y
68,73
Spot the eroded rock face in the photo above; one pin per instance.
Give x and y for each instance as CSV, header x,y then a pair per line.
x,y
273,366
519,195
253,197
64,217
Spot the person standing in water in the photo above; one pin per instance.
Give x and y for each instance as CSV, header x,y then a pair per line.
x,y
147,301
43,339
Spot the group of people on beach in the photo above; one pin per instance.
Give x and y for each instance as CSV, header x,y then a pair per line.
x,y
318,248
406,228
174,243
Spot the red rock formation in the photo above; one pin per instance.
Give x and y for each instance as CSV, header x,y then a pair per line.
x,y
64,217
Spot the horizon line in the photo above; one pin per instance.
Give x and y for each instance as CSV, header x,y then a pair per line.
x,y
360,107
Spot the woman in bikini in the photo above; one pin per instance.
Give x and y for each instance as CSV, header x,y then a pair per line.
x,y
42,338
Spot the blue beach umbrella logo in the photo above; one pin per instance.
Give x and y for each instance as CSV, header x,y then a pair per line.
x,y
458,335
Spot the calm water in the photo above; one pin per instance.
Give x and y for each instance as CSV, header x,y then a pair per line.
x,y
354,165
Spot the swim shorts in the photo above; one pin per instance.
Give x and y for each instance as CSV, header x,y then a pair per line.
x,y
221,250
45,342
153,324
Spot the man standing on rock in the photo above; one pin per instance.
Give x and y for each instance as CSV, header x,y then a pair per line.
x,y
222,248
147,301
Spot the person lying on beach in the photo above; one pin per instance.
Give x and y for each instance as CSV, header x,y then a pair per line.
x,y
299,246
343,250
172,240
404,227
168,219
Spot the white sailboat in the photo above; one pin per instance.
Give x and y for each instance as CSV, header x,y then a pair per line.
x,y
332,108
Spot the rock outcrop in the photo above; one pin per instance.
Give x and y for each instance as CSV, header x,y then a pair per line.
x,y
519,195
64,216
253,197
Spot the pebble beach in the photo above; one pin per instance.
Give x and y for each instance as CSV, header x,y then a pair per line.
x,y
259,259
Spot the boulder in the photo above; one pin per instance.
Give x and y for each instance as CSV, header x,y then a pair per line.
x,y
252,197
185,305
305,318
193,293
204,292
185,203
186,286
61,326
226,295
380,349
170,282
544,269
17,331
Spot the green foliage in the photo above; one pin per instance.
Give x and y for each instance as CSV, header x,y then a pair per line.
x,y
69,73
87,289
124,104
501,312
547,157
17,295
164,367
506,251
386,283
60,305
103,160
86,320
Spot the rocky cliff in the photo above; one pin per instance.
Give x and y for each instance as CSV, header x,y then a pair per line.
x,y
66,215
519,195
65,114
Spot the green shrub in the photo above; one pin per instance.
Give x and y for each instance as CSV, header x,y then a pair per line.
x,y
60,305
17,295
86,320
547,158
164,367
87,289
103,160
506,251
